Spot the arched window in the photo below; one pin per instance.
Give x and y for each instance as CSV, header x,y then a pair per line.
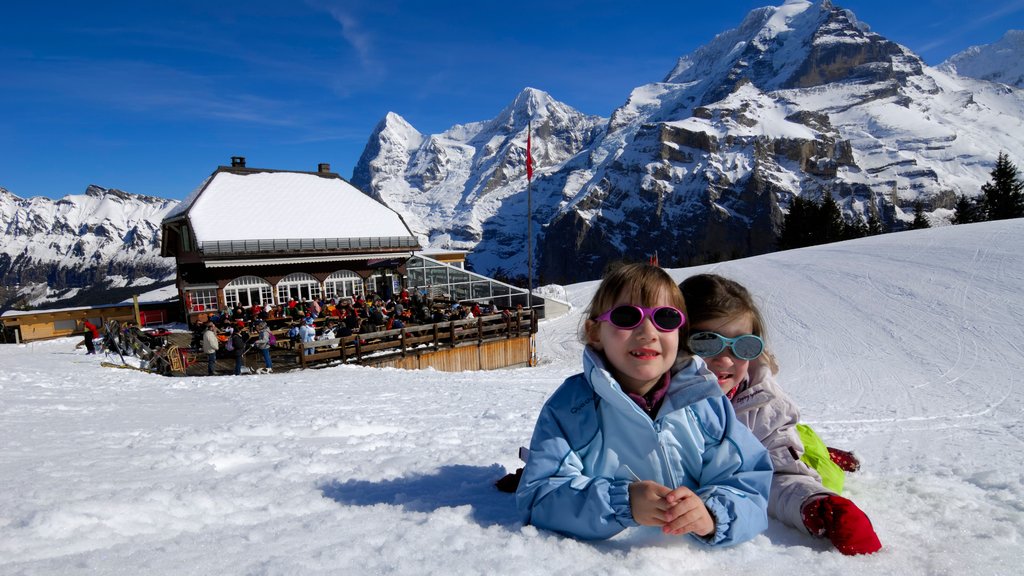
x,y
343,284
300,286
248,290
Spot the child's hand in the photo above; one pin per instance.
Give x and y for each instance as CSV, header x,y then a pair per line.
x,y
687,513
678,511
647,501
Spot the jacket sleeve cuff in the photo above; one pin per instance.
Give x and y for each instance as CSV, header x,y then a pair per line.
x,y
618,493
720,515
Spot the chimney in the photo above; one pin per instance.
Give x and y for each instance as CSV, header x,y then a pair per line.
x,y
323,168
238,161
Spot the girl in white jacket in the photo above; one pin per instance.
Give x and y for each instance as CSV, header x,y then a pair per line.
x,y
727,330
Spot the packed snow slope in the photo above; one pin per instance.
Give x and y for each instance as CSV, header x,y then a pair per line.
x,y
906,348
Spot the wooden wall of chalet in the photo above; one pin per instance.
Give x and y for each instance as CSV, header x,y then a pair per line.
x,y
513,352
47,324
44,325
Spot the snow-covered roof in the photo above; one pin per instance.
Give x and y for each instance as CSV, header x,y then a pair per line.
x,y
277,205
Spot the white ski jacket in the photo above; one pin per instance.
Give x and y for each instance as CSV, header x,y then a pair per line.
x,y
772,417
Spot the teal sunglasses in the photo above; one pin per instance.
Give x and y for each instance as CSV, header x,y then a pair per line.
x,y
708,344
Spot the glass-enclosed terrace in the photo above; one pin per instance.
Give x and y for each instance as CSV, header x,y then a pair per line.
x,y
438,279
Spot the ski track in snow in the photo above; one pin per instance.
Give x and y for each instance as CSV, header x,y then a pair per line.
x,y
905,348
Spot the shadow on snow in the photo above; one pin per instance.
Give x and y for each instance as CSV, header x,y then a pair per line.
x,y
448,487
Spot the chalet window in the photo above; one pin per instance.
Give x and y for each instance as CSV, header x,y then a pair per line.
x,y
343,284
201,299
186,240
300,286
247,291
65,325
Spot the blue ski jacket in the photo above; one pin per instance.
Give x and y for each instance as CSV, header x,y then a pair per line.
x,y
591,441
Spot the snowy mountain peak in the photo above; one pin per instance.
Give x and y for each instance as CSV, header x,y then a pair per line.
x,y
797,45
1002,61
448,185
531,102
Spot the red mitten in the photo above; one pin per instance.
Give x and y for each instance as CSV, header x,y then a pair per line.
x,y
843,523
845,460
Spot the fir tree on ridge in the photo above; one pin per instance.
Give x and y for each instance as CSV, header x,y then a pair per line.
x,y
1003,196
920,220
967,211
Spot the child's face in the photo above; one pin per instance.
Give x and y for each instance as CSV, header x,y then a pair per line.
x,y
729,370
639,357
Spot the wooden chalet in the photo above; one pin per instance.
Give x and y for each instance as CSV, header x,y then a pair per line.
x,y
250,236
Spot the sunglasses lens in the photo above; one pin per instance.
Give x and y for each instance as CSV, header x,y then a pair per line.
x,y
668,319
706,344
626,317
748,347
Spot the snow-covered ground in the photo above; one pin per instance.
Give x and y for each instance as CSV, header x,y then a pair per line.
x,y
906,348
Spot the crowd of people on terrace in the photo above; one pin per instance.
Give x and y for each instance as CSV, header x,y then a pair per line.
x,y
324,319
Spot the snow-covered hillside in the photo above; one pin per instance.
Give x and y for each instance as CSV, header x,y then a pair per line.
x,y
905,348
1002,61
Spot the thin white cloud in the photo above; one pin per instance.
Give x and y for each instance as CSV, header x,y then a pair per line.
x,y
969,25
355,35
1008,8
352,30
139,87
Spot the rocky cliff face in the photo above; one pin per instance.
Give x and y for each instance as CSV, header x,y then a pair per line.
x,y
103,237
799,100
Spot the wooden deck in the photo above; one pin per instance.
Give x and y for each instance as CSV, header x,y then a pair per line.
x,y
484,343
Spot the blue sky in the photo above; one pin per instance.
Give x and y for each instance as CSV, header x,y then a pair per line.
x,y
150,97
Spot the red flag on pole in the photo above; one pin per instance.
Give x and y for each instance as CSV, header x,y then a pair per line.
x,y
529,157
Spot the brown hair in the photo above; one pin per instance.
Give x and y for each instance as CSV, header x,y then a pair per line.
x,y
643,285
713,297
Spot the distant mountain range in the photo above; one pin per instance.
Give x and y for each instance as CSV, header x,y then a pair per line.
x,y
100,246
799,100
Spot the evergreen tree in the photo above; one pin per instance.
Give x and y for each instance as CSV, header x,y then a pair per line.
x,y
874,225
1003,195
967,211
920,221
856,229
796,224
830,224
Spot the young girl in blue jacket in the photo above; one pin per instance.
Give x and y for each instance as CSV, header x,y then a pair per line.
x,y
643,436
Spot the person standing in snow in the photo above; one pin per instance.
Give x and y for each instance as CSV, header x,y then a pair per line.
x,y
263,344
238,341
643,436
210,346
91,333
727,330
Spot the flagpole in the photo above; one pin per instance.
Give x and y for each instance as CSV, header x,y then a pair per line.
x,y
529,217
529,242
